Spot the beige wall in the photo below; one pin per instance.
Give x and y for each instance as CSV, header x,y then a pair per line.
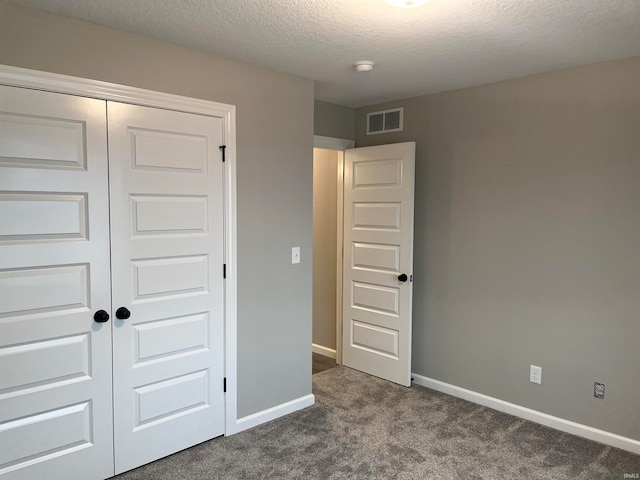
x,y
331,120
274,176
527,239
325,220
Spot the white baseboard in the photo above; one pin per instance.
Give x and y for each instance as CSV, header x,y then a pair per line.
x,y
272,413
557,423
327,352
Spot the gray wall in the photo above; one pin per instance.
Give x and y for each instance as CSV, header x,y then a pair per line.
x,y
331,120
325,223
274,139
527,239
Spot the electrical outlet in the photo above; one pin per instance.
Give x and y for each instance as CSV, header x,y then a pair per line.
x,y
535,374
598,390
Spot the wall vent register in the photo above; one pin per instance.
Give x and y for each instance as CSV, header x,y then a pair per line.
x,y
385,121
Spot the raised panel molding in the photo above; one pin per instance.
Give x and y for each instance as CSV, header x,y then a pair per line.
x,y
156,278
51,434
374,338
61,360
166,399
377,216
168,151
376,257
377,173
375,298
67,138
27,217
51,289
164,215
166,338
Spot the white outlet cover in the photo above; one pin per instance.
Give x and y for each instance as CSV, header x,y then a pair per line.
x,y
295,255
535,374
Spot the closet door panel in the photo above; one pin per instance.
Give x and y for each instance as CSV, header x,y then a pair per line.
x,y
166,179
55,360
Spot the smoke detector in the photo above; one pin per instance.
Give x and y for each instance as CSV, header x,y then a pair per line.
x,y
364,66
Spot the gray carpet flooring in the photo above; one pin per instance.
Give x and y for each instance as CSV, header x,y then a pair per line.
x,y
365,428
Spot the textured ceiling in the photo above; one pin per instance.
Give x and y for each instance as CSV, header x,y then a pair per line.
x,y
444,45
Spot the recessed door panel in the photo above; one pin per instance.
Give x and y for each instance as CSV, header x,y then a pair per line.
x,y
167,337
55,361
169,151
59,359
168,399
164,215
44,216
60,432
374,339
377,216
61,142
377,173
46,289
375,298
159,278
376,257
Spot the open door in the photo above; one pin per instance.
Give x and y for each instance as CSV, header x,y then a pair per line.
x,y
378,260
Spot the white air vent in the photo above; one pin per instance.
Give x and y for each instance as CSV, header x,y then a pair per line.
x,y
385,121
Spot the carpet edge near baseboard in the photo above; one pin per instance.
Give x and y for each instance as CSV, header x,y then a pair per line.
x,y
557,423
272,413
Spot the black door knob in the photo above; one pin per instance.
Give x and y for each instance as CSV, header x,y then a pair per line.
x,y
402,277
123,313
101,316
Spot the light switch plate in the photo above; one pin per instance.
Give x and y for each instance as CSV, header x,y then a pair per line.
x,y
295,255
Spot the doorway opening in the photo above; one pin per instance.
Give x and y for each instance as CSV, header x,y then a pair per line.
x,y
328,164
363,257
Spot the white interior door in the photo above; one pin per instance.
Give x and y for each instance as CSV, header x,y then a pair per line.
x,y
378,260
55,360
166,180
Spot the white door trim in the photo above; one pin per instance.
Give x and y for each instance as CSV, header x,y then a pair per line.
x,y
339,254
332,143
52,82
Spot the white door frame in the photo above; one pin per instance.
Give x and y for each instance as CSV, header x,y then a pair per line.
x,y
340,144
51,82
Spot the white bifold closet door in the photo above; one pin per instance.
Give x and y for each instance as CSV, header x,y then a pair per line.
x,y
167,258
55,360
81,398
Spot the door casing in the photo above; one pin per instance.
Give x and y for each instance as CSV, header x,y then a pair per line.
x,y
33,79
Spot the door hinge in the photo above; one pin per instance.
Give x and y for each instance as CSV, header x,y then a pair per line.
x,y
223,148
224,385
224,270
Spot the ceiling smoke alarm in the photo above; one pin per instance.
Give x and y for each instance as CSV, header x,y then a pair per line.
x,y
364,66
